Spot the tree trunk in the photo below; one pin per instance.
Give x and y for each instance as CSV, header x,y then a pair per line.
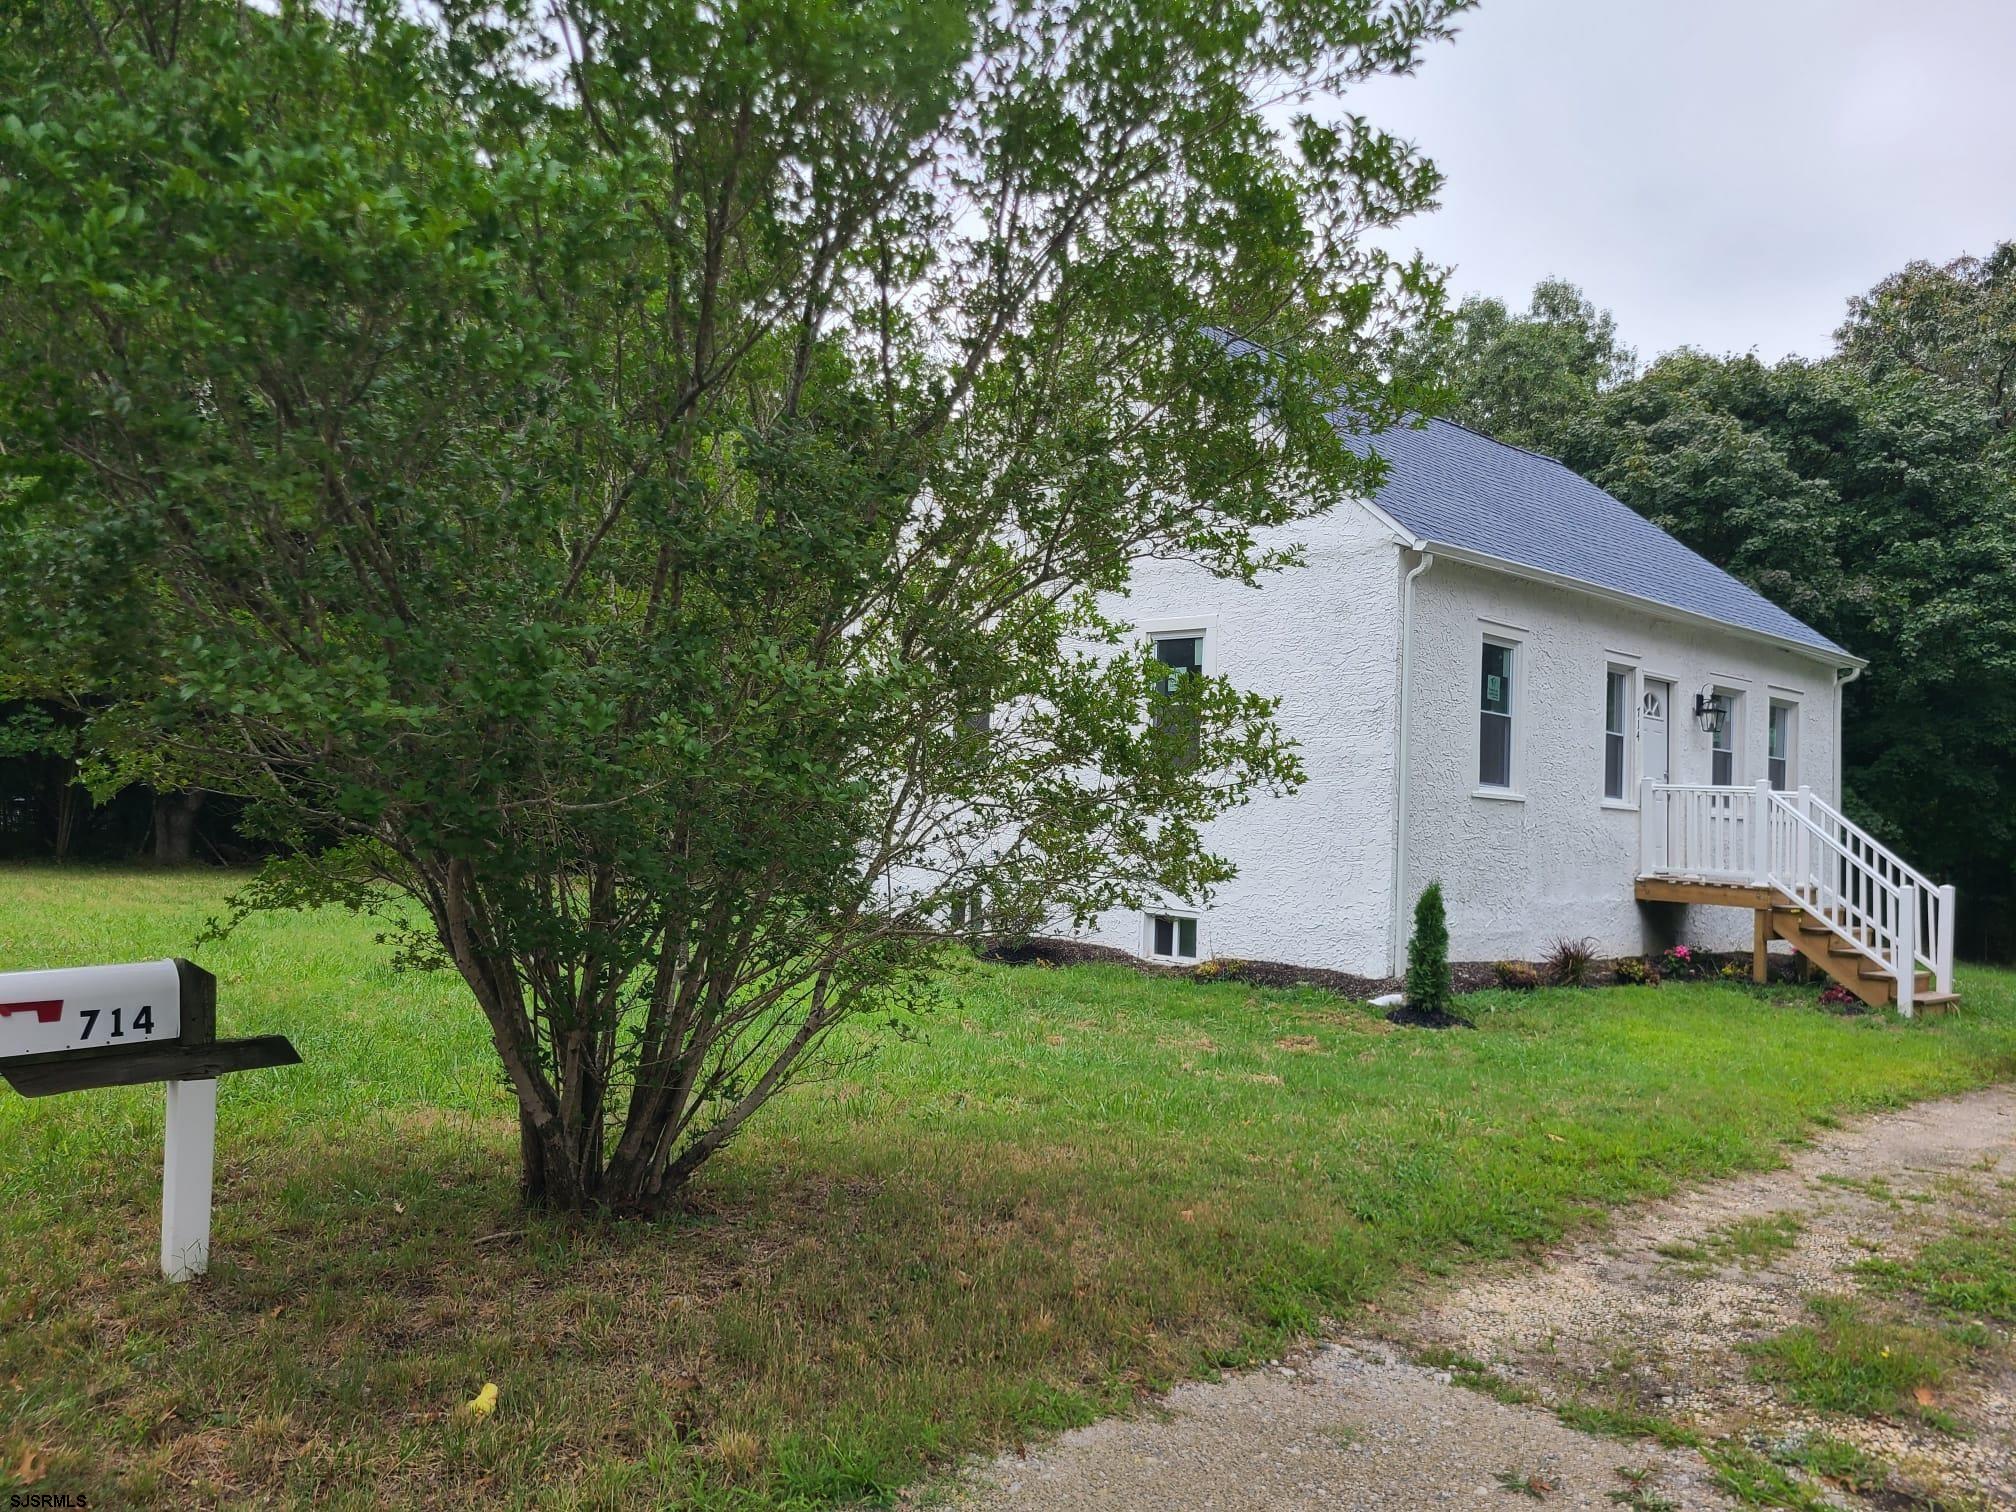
x,y
69,799
532,1163
175,826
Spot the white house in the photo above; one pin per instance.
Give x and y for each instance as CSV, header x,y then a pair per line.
x,y
1504,680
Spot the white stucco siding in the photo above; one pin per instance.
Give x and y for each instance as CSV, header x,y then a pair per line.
x,y
1553,858
1315,867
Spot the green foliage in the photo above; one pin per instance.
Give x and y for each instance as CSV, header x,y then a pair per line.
x,y
1528,378
593,492
1636,971
1954,323
1430,983
1516,976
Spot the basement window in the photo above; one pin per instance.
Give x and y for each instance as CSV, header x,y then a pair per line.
x,y
1172,937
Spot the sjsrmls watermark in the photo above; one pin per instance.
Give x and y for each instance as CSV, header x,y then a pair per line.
x,y
48,1499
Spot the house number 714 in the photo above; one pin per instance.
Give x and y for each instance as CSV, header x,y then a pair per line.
x,y
143,1022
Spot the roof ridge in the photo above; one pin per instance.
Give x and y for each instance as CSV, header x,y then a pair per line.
x,y
1498,441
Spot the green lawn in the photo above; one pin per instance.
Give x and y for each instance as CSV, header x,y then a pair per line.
x,y
1077,1184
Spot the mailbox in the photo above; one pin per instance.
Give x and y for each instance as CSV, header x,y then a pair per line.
x,y
113,1026
116,1026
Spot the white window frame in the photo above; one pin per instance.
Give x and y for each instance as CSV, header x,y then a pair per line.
x,y
1178,917
1204,631
1515,766
1197,627
1732,724
1790,706
1633,691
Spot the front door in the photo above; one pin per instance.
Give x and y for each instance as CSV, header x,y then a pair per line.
x,y
1654,751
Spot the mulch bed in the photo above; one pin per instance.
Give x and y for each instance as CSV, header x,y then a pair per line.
x,y
1469,976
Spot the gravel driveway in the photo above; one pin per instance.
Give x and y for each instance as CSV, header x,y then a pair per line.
x,y
1651,1316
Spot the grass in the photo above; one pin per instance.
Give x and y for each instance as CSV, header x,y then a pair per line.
x,y
1475,1375
1852,1361
1074,1186
1610,1420
1835,1460
1748,1242
1754,1480
1967,1274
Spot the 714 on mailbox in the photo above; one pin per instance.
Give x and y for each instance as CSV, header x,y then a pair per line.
x,y
116,1026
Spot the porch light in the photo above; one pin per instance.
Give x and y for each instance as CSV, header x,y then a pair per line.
x,y
1711,710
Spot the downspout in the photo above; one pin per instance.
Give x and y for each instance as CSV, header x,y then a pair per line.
x,y
1395,930
1840,799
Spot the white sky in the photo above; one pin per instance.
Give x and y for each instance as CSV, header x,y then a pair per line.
x,y
1720,174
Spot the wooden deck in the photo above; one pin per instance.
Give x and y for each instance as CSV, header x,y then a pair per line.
x,y
1694,890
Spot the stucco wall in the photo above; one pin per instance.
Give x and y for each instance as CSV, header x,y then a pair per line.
x,y
1556,859
1315,868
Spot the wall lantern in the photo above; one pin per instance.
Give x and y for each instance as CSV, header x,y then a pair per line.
x,y
1712,711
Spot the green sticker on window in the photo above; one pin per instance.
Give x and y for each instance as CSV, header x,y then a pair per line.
x,y
1494,687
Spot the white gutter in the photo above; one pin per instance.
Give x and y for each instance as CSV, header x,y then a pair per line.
x,y
1396,932
1840,699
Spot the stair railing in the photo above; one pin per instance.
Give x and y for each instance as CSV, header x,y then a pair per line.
x,y
1809,853
1934,924
1812,865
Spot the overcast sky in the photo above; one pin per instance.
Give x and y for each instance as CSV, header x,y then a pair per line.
x,y
1721,174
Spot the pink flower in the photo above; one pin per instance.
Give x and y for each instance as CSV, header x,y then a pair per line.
x,y
1683,952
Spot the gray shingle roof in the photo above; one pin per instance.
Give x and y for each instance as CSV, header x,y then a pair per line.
x,y
1453,487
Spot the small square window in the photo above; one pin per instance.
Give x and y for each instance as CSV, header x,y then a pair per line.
x,y
1174,937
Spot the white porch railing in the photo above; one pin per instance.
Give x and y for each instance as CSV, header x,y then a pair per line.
x,y
1814,857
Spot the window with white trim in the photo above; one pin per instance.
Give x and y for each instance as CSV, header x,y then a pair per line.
x,y
1494,715
1616,711
1182,654
1722,756
1782,735
1172,937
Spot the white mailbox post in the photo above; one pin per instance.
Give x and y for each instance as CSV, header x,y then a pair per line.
x,y
117,1026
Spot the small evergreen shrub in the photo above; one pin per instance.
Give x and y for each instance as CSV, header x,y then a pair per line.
x,y
1515,976
1572,962
1430,984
